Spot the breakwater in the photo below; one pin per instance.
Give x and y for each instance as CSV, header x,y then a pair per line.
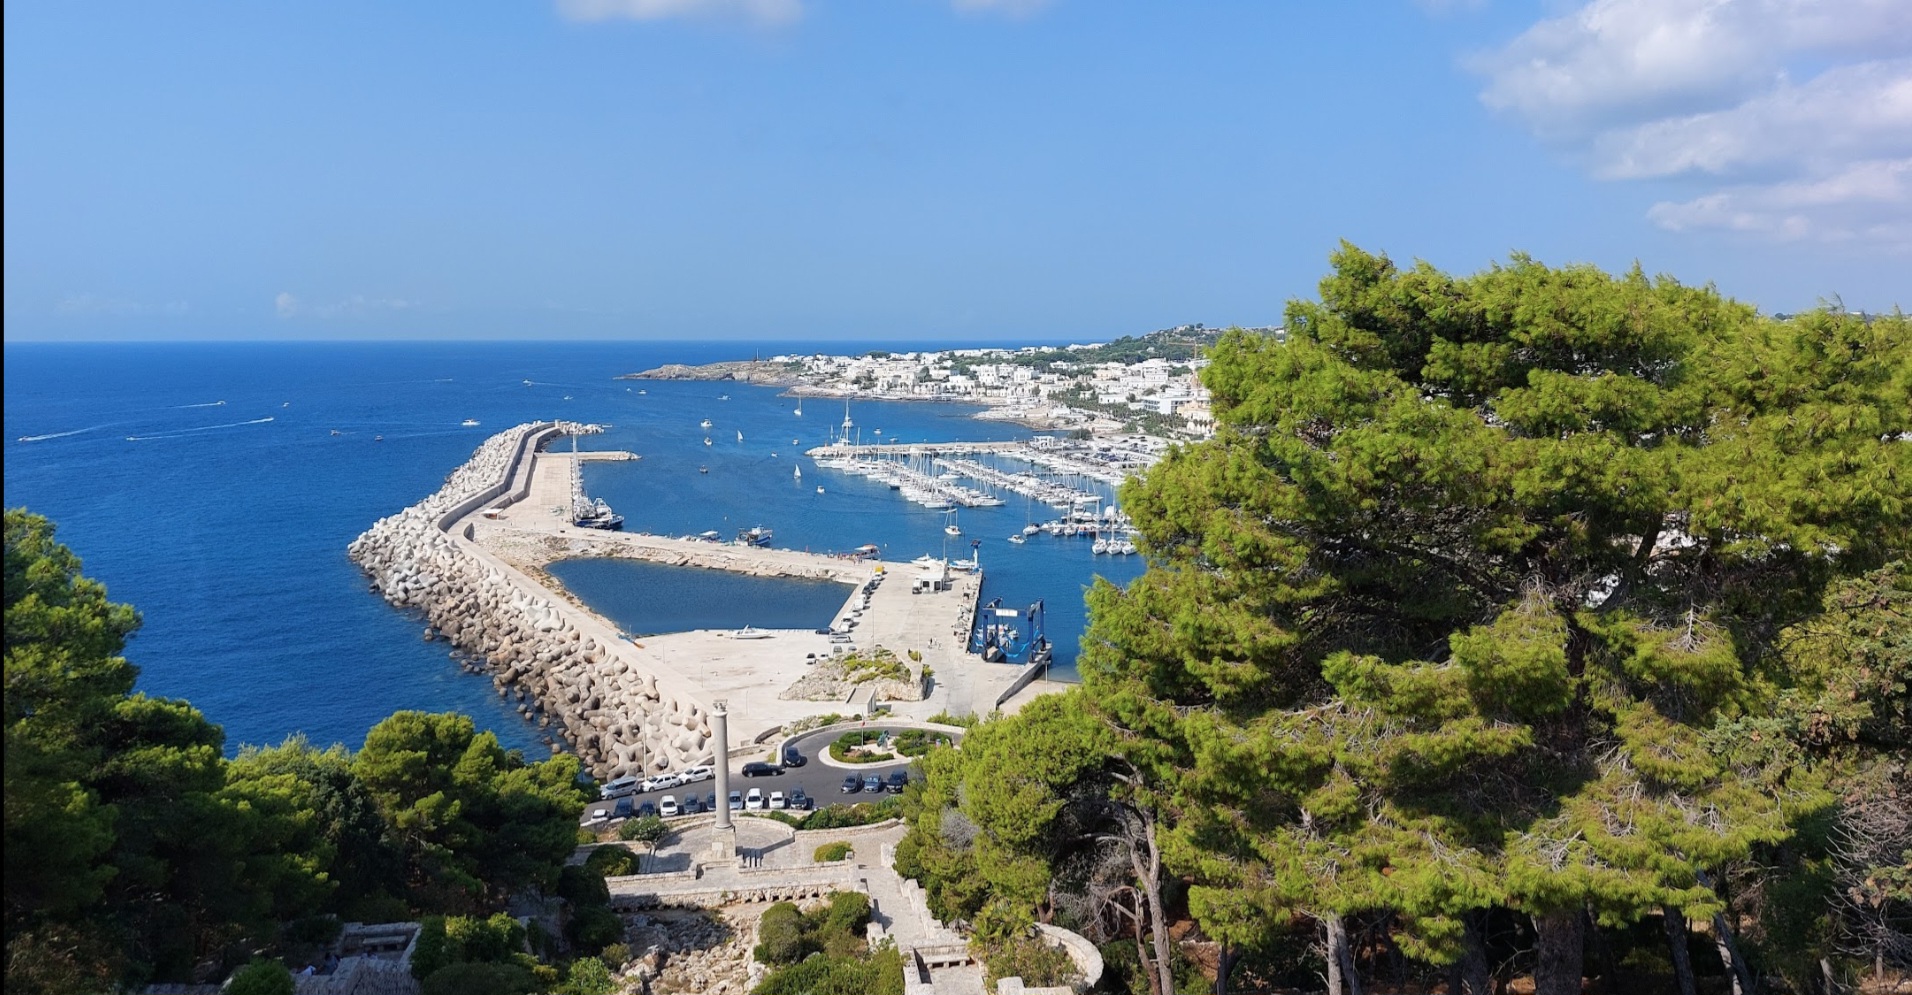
x,y
620,712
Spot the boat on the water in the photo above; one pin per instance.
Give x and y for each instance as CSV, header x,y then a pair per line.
x,y
797,472
819,488
469,423
378,438
711,536
723,397
704,424
755,536
334,432
1018,539
740,437
952,528
706,440
703,469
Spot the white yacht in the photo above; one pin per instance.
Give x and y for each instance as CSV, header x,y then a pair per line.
x,y
704,424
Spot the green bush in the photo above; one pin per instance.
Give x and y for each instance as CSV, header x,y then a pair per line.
x,y
1037,963
860,814
473,978
261,977
582,885
831,852
650,829
847,748
594,928
588,976
848,912
431,951
615,956
586,837
945,719
611,861
916,656
879,973
781,935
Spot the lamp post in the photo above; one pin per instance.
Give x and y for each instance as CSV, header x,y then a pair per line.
x,y
720,731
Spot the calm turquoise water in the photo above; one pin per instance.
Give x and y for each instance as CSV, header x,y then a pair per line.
x,y
648,598
226,523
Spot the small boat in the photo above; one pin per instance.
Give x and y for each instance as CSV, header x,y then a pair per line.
x,y
867,551
706,440
704,424
703,469
710,536
334,432
286,404
740,437
795,442
643,392
723,397
567,397
879,431
1100,547
749,632
819,488
1018,539
378,438
799,407
1031,529
797,472
527,383
952,528
469,423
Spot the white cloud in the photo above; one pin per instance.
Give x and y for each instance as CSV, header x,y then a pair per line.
x,y
1802,107
757,11
355,306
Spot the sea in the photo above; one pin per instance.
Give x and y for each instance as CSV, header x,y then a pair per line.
x,y
215,487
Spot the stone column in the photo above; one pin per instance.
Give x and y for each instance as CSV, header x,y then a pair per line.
x,y
723,843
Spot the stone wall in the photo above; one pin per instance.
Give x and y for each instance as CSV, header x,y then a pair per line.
x,y
599,697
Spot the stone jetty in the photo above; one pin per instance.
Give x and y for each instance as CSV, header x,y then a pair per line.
x,y
599,696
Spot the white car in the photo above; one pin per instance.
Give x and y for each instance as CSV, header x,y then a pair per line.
x,y
753,802
667,806
618,788
777,800
661,781
703,772
599,816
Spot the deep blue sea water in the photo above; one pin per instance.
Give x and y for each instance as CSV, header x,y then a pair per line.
x,y
226,524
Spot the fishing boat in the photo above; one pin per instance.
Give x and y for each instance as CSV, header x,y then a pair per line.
x,y
867,551
706,440
756,536
704,424
469,423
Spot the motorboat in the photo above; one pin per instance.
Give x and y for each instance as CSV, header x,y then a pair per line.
x,y
749,632
755,536
469,423
1018,539
723,397
704,424
706,440
703,469
710,536
819,488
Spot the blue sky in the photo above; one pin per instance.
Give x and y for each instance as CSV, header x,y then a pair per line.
x,y
941,170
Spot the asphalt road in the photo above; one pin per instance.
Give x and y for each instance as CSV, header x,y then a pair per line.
x,y
821,781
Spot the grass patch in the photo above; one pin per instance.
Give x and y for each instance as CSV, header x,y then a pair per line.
x,y
831,852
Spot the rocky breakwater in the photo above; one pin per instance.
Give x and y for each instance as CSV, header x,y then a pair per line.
x,y
600,697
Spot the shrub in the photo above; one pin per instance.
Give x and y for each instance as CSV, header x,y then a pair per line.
x,y
588,976
472,978
615,956
945,719
261,977
583,885
780,935
848,911
611,862
860,814
586,837
1037,963
916,656
832,852
594,928
650,829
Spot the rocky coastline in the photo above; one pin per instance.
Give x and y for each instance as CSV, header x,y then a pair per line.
x,y
598,697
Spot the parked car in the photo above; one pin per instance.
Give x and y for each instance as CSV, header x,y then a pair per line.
x,y
792,757
757,768
701,772
898,780
777,801
873,784
710,801
852,784
660,782
646,810
599,816
618,788
624,808
753,802
667,806
690,805
736,801
800,801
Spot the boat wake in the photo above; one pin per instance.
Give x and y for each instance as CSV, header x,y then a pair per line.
x,y
203,428
58,435
208,404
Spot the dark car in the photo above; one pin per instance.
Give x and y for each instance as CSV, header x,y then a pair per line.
x,y
899,779
799,801
647,810
710,802
852,784
873,784
625,806
823,631
757,768
690,805
792,757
